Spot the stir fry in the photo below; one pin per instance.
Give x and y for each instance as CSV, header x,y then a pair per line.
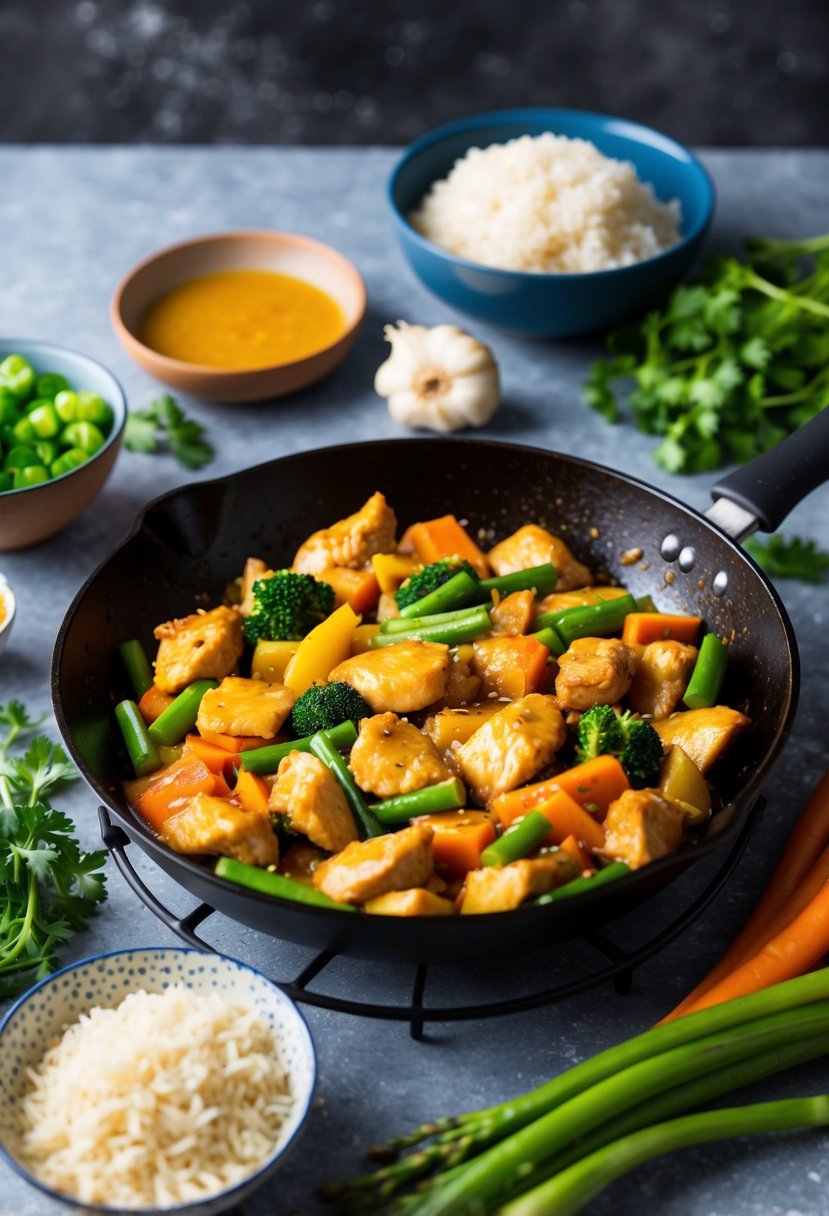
x,y
422,728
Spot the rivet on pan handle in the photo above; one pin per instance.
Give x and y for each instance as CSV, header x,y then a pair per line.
x,y
760,494
116,841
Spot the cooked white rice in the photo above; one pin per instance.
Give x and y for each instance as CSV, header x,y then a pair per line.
x,y
546,204
168,1098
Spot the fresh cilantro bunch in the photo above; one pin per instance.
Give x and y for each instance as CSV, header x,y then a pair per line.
x,y
165,425
49,887
732,364
790,557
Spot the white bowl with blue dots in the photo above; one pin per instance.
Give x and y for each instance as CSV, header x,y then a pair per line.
x,y
41,1015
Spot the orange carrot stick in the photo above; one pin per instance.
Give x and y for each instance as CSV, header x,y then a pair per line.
x,y
641,628
599,782
810,836
434,539
792,952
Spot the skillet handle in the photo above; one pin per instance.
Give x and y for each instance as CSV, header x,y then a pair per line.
x,y
771,485
116,841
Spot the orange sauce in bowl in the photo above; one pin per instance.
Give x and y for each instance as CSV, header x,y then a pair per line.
x,y
238,320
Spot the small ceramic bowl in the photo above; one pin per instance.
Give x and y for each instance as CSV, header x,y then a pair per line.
x,y
8,607
552,305
283,252
31,515
41,1015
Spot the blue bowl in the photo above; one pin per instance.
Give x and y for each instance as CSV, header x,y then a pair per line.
x,y
553,305
40,1016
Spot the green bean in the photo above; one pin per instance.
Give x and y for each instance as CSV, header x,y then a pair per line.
x,y
549,638
444,796
708,674
403,624
540,579
368,824
457,591
610,873
644,603
593,620
518,840
463,629
142,750
269,883
267,759
180,717
138,669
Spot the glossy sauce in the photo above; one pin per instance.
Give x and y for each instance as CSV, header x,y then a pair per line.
x,y
241,319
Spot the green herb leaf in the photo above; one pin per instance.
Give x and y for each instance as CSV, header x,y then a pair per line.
x,y
790,557
140,433
164,426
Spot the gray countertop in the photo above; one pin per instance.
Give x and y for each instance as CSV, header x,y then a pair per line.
x,y
73,222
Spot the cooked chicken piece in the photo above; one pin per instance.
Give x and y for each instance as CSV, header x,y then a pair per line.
x,y
415,902
511,746
299,862
206,645
393,757
580,597
510,667
214,825
351,541
640,826
595,671
369,868
463,686
703,734
403,678
501,888
662,676
255,569
387,609
514,614
245,707
449,728
533,546
310,796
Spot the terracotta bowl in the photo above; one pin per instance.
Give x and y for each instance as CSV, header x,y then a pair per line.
x,y
37,512
284,252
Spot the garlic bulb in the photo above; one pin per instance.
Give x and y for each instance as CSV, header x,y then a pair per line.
x,y
440,378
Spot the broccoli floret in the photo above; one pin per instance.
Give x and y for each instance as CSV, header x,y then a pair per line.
x,y
637,746
427,580
323,706
600,733
287,605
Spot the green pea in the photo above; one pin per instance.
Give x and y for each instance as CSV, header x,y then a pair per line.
x,y
24,431
6,481
9,406
93,408
85,435
68,461
34,404
50,384
66,403
21,457
17,375
32,475
47,451
45,420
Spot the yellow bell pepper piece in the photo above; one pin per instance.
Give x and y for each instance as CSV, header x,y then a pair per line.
x,y
271,658
321,650
361,641
392,569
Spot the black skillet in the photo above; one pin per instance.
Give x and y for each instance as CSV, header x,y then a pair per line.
x,y
186,546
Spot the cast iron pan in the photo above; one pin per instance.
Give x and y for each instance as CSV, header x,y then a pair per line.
x,y
188,544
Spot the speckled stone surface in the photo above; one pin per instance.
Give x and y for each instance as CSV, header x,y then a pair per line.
x,y
73,221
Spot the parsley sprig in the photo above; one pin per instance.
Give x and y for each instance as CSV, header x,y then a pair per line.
x,y
165,426
732,364
49,887
790,557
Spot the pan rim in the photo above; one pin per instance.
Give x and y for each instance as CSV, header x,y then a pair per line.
x,y
737,806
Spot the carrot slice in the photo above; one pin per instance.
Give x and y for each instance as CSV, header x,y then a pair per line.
x,y
359,588
184,778
568,818
459,839
153,703
236,743
642,628
252,792
797,864
597,782
444,537
794,950
217,759
579,855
